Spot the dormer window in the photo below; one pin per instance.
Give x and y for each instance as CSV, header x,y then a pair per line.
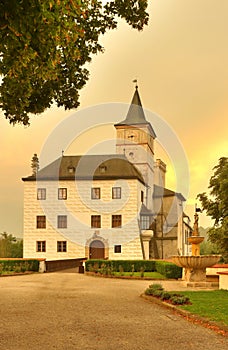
x,y
102,169
71,169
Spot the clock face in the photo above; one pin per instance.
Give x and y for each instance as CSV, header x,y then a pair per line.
x,y
131,135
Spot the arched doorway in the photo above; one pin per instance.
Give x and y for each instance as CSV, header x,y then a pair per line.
x,y
96,250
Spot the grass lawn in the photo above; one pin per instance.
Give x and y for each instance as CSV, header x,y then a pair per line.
x,y
154,275
210,304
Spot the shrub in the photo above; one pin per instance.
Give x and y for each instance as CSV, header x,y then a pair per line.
x,y
165,295
178,299
132,270
149,291
167,269
121,270
156,286
157,293
154,289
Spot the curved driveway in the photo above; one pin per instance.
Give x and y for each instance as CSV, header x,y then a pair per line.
x,y
71,311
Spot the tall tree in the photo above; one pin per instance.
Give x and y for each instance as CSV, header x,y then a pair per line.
x,y
216,206
44,45
10,247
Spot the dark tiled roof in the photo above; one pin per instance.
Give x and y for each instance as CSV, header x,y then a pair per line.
x,y
135,115
165,192
96,167
145,211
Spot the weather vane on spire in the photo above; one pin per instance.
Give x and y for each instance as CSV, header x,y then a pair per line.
x,y
136,83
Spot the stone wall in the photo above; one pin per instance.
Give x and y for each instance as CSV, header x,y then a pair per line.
x,y
78,208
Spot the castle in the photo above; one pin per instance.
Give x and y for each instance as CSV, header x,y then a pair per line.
x,y
112,206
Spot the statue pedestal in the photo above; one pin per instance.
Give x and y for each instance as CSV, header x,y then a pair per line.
x,y
146,237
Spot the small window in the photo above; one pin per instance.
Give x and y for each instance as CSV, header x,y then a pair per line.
x,y
102,169
95,221
41,221
71,169
117,248
116,192
41,246
145,222
142,196
62,193
62,221
41,193
61,246
116,220
96,193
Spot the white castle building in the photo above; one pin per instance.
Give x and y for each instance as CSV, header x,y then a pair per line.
x,y
106,206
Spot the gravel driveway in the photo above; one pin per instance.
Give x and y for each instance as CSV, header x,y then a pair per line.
x,y
72,311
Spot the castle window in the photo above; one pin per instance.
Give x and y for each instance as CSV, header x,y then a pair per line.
x,y
41,193
116,192
95,193
61,246
116,220
62,221
41,246
142,196
62,193
117,248
41,221
145,222
95,221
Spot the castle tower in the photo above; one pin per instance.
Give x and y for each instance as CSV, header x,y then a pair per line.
x,y
135,139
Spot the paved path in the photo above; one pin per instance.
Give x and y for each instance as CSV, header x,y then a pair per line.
x,y
72,311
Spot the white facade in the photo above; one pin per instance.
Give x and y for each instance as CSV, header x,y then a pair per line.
x,y
113,214
78,209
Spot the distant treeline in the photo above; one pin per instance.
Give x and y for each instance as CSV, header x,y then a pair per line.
x,y
10,246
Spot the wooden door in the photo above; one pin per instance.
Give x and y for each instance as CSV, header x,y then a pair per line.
x,y
96,250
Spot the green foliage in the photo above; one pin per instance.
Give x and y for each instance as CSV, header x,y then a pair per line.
x,y
44,46
156,290
156,286
178,299
121,270
169,270
165,295
142,271
10,246
19,265
216,205
126,265
207,248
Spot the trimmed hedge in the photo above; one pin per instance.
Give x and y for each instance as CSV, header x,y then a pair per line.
x,y
127,265
167,269
19,265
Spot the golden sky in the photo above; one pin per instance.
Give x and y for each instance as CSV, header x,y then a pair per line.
x,y
180,61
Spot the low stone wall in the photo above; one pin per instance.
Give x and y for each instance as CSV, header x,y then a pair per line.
x,y
218,272
58,265
213,270
223,280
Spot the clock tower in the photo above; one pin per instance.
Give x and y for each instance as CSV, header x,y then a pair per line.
x,y
135,139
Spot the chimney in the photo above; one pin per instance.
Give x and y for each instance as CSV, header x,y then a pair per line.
x,y
159,173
